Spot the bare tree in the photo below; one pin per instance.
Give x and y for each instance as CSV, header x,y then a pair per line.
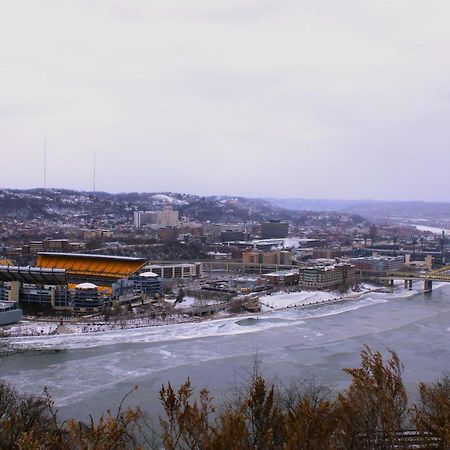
x,y
432,415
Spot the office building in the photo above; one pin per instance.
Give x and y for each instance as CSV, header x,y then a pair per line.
x,y
326,276
270,257
274,229
283,278
378,264
328,253
142,218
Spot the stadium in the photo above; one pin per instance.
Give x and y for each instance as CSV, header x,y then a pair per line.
x,y
80,283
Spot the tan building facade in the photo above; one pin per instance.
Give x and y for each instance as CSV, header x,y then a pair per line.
x,y
272,257
323,277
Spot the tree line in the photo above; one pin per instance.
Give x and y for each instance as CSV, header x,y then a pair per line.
x,y
372,413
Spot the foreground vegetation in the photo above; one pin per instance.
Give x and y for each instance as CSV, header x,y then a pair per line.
x,y
373,413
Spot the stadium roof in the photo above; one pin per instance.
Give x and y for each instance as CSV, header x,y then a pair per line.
x,y
84,267
6,262
33,275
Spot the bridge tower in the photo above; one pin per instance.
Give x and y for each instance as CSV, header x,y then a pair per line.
x,y
428,286
408,284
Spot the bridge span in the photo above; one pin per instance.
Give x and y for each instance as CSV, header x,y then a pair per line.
x,y
439,275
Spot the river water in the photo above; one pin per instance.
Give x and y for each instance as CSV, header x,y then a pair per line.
x,y
87,374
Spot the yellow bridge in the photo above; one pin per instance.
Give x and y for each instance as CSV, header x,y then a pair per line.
x,y
441,275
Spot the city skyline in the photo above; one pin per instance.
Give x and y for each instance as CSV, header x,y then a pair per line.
x,y
320,100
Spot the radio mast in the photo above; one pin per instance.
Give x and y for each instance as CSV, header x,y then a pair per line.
x,y
45,160
94,173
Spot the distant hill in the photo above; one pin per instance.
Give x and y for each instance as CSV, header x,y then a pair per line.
x,y
373,209
302,204
39,203
61,203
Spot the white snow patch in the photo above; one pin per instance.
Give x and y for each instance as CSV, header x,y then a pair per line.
x,y
289,300
167,199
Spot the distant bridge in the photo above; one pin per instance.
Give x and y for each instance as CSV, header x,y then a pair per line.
x,y
440,275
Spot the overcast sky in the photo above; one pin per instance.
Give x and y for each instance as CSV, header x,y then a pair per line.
x,y
302,98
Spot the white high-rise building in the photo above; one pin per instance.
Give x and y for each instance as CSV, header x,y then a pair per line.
x,y
145,218
158,219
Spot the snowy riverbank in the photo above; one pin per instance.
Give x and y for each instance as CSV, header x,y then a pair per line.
x,y
269,303
45,328
282,300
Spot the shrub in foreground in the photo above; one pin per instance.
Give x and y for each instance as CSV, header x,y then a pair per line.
x,y
371,414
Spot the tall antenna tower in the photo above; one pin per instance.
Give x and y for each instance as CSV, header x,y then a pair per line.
x,y
45,160
94,174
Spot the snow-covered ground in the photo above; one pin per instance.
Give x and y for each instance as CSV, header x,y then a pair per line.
x,y
275,303
434,230
282,300
37,328
190,302
168,199
221,325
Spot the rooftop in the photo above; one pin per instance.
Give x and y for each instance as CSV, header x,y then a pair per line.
x,y
98,268
33,275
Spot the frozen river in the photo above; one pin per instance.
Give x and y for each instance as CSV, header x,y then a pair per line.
x,y
87,374
434,230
